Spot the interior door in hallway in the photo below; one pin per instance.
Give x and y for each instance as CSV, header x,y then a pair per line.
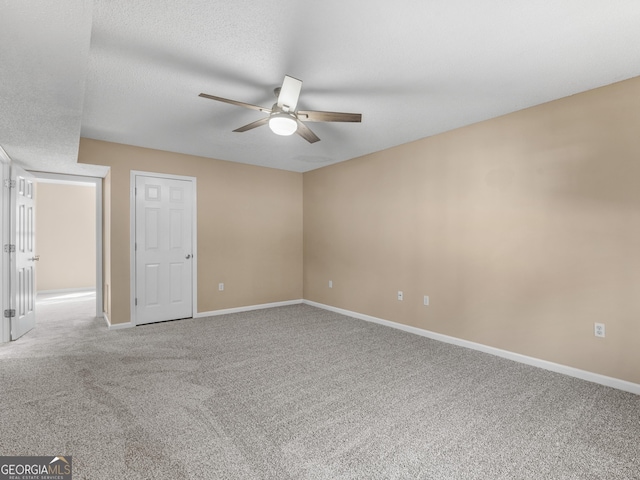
x,y
23,272
163,249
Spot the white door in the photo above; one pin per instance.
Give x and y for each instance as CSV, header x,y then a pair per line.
x,y
23,272
163,249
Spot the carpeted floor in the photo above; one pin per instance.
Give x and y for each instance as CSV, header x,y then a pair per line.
x,y
298,393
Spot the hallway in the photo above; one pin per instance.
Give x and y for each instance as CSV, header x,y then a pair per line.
x,y
62,320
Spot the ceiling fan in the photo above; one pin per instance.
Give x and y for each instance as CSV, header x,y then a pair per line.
x,y
283,117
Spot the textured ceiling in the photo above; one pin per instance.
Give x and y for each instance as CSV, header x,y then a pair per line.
x,y
412,68
44,49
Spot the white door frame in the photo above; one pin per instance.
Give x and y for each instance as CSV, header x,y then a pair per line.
x,y
5,223
132,237
97,182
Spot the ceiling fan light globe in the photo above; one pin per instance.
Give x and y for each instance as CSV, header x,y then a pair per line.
x,y
283,124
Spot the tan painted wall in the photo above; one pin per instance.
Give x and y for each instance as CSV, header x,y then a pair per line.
x,y
524,230
65,236
249,226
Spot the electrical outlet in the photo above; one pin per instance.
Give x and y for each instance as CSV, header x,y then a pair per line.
x,y
400,295
598,329
426,300
221,287
330,283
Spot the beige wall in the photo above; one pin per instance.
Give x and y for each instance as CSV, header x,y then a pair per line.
x,y
249,226
65,236
524,230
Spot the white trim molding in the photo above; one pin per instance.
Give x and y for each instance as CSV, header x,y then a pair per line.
x,y
67,290
117,326
249,308
213,313
516,357
5,221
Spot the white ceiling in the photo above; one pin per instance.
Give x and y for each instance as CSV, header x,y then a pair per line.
x,y
44,51
131,71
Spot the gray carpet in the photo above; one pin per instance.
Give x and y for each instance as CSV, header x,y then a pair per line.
x,y
299,393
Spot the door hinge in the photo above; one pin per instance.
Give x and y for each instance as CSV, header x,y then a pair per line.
x,y
136,302
10,313
9,248
9,183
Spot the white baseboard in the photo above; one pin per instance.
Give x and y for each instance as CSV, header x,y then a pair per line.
x,y
66,290
117,326
214,312
535,362
226,311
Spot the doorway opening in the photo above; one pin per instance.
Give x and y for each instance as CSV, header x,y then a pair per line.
x,y
10,324
69,240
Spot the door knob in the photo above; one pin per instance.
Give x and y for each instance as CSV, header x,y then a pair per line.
x,y
188,256
35,258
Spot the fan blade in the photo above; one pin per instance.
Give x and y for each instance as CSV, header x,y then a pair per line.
x,y
289,93
312,116
234,102
255,124
306,133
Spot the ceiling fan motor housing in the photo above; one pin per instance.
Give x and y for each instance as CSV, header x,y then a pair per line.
x,y
281,122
